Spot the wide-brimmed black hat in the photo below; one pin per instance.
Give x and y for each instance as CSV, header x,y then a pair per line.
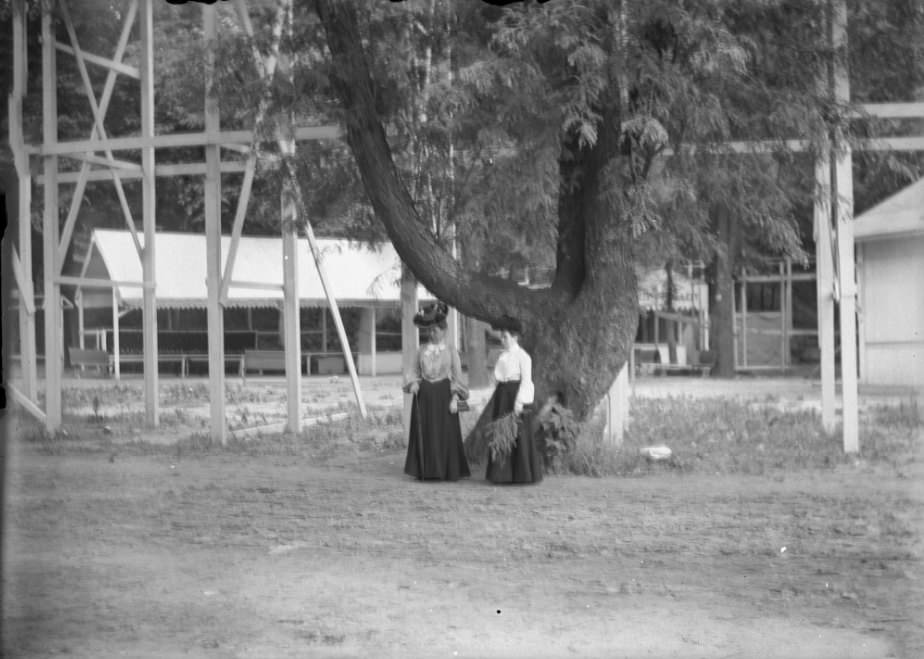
x,y
432,315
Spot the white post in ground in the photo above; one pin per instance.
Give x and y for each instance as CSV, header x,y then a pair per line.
x,y
452,320
116,354
373,343
27,349
744,318
366,342
335,312
78,300
410,338
149,274
617,408
213,265
52,307
846,269
824,277
290,307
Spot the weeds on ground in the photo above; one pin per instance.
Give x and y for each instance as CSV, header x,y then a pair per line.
x,y
711,436
722,436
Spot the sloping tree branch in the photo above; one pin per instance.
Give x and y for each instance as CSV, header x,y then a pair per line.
x,y
415,243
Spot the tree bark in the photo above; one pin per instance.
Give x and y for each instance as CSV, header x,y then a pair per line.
x,y
579,331
476,353
722,295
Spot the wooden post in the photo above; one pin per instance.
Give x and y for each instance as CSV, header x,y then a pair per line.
x,y
617,408
324,313
862,306
410,338
78,300
335,312
149,275
116,351
789,324
51,226
782,271
372,342
735,330
846,269
290,308
744,319
452,319
824,261
632,363
27,348
213,270
452,329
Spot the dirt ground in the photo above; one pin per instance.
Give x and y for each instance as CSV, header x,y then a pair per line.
x,y
121,553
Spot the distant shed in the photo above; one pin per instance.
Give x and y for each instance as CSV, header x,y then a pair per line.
x,y
890,274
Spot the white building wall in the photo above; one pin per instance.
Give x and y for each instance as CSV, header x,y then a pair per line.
x,y
892,311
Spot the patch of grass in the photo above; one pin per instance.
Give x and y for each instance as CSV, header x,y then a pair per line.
x,y
723,436
906,414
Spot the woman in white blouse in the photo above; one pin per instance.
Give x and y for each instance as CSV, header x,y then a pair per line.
x,y
434,449
514,392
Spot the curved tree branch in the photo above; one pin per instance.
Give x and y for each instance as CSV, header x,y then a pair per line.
x,y
431,263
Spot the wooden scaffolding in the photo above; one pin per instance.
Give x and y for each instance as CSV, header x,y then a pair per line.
x,y
98,163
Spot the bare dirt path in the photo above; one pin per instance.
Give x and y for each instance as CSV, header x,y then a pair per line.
x,y
225,555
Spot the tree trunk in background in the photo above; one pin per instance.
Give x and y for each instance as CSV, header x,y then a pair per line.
x,y
669,303
476,353
722,296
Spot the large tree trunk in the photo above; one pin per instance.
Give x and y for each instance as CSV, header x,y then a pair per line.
x,y
580,330
722,295
475,349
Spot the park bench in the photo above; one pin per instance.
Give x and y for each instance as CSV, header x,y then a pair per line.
x,y
98,359
264,360
162,358
321,363
655,360
204,358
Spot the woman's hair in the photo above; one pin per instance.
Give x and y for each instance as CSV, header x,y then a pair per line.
x,y
508,324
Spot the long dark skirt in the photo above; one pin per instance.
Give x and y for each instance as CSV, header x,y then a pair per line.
x,y
524,464
434,447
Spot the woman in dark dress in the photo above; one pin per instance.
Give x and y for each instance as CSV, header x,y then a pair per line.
x,y
434,448
514,392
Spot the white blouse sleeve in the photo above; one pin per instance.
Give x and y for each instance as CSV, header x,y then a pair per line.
x,y
527,390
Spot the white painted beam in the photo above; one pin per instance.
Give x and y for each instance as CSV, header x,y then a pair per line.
x,y
52,309
212,190
410,337
178,140
237,227
149,218
178,169
914,110
27,337
112,65
291,322
846,267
